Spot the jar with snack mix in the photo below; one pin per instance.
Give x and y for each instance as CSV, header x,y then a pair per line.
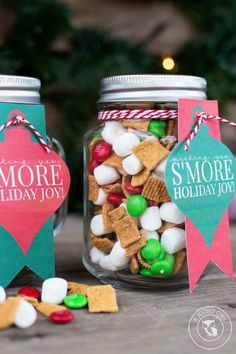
x,y
134,235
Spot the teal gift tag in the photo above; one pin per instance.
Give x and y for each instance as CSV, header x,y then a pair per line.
x,y
202,181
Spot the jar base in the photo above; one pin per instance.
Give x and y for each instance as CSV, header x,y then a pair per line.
x,y
125,280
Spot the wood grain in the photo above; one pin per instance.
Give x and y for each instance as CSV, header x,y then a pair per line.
x,y
148,322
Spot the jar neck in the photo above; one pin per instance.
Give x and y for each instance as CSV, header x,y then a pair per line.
x,y
108,106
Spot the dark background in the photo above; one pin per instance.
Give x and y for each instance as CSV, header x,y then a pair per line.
x,y
70,45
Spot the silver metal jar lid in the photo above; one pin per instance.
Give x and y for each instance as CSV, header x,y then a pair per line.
x,y
157,88
19,89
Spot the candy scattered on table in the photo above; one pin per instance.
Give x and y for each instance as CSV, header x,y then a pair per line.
x,y
54,290
30,292
136,227
21,310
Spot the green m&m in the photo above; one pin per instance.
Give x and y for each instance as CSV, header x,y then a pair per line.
x,y
145,272
163,267
75,301
157,127
136,205
151,250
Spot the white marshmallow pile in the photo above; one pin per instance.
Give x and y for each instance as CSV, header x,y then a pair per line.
x,y
54,290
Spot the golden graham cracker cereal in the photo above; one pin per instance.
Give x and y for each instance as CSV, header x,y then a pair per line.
x,y
150,152
155,189
180,261
97,209
8,311
126,231
142,261
136,246
117,214
102,243
32,300
93,188
113,188
106,209
114,161
165,226
171,123
140,178
77,288
125,179
136,124
46,308
102,298
134,265
92,145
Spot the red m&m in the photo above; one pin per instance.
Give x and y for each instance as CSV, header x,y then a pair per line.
x,y
115,199
102,151
30,291
62,316
92,165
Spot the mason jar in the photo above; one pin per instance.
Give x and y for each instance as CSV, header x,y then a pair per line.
x,y
129,217
26,90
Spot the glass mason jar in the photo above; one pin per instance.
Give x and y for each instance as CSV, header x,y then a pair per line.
x,y
20,89
128,215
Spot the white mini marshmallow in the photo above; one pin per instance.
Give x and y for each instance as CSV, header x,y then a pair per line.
x,y
54,290
118,256
96,255
150,220
160,169
102,197
173,240
105,262
170,212
105,175
25,315
111,131
132,165
150,234
124,144
97,226
2,295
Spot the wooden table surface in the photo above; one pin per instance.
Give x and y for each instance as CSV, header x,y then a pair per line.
x,y
148,322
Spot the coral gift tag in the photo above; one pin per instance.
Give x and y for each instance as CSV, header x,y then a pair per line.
x,y
202,183
34,183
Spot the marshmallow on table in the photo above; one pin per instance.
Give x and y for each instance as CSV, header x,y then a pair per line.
x,y
54,290
111,131
105,262
97,226
170,212
118,256
2,295
132,165
160,169
25,315
105,175
96,255
124,144
150,220
173,240
102,197
150,234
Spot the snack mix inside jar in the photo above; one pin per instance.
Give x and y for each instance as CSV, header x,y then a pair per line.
x,y
134,234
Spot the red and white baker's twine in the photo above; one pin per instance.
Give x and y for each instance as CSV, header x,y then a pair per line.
x,y
23,120
201,117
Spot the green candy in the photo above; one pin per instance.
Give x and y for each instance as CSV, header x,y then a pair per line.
x,y
145,272
75,301
97,136
151,251
136,205
157,128
163,267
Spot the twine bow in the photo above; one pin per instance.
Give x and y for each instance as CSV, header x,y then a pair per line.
x,y
22,120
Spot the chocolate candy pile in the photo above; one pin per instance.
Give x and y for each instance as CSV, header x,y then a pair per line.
x,y
134,225
57,297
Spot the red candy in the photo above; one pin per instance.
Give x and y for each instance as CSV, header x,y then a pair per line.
x,y
30,291
133,190
115,199
102,151
92,165
62,316
152,203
